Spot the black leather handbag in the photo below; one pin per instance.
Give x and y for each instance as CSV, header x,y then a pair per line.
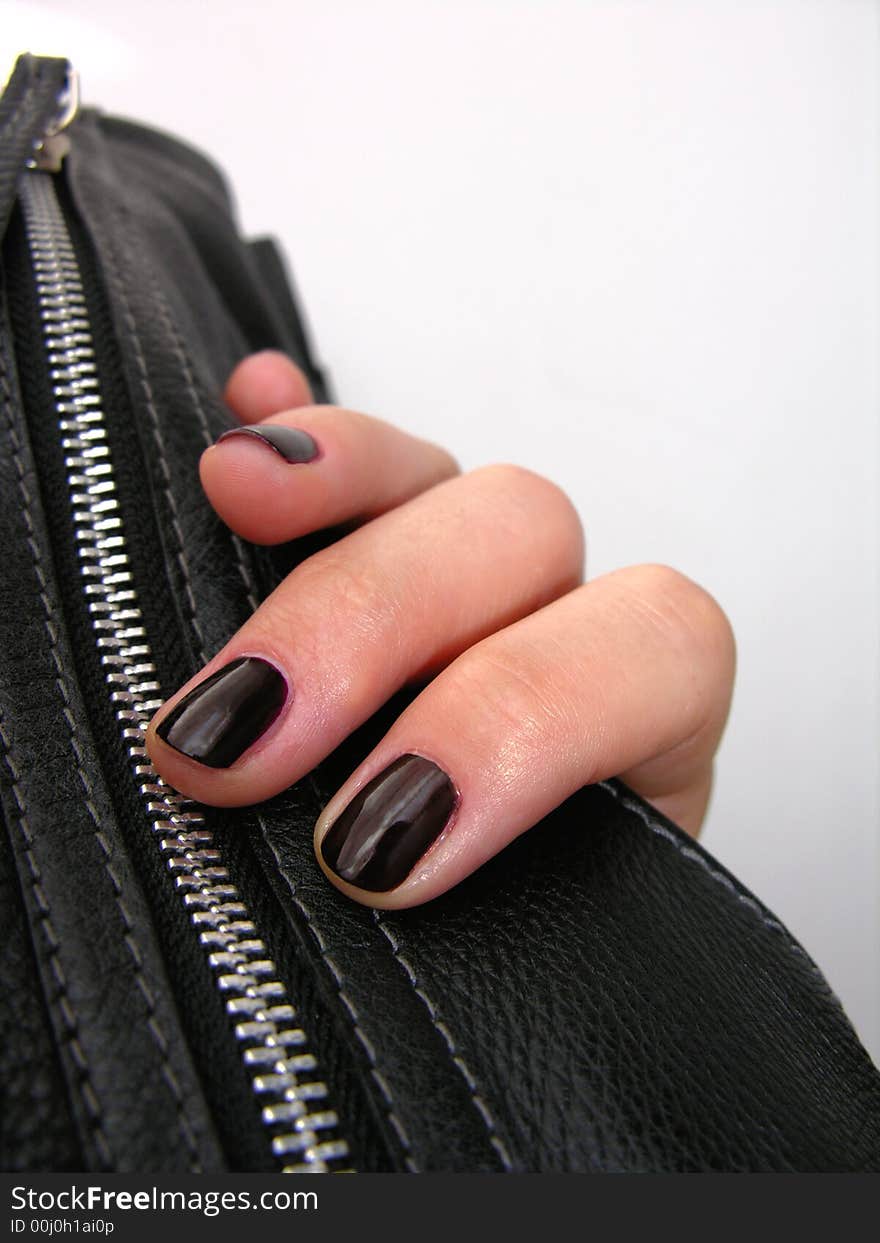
x,y
181,988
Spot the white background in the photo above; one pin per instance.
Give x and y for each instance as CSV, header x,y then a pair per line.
x,y
635,247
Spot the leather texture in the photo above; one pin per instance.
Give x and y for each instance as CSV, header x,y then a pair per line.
x,y
131,1085
37,1130
603,996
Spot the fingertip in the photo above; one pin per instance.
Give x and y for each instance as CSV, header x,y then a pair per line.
x,y
211,739
249,486
264,384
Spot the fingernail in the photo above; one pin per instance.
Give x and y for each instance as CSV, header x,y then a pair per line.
x,y
389,824
224,715
291,443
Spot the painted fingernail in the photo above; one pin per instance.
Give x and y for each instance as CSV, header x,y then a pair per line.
x,y
389,824
291,443
224,715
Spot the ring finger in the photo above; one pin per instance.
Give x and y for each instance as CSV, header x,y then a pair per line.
x,y
629,675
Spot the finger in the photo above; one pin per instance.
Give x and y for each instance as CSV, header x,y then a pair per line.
x,y
264,384
315,467
395,600
630,674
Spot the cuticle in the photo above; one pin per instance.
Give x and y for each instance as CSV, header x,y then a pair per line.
x,y
253,434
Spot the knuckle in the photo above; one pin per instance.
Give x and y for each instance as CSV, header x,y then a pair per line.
x,y
531,493
519,481
356,420
511,698
341,419
686,611
507,475
352,590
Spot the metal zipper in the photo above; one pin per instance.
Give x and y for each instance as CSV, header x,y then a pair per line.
x,y
283,1071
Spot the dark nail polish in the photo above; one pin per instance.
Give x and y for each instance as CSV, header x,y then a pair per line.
x,y
291,443
389,824
224,715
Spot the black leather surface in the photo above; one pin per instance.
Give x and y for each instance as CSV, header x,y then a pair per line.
x,y
603,996
669,1023
131,1087
36,1127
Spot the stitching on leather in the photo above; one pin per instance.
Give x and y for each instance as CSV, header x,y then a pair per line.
x,y
457,1060
251,593
250,586
131,327
66,1008
377,1076
189,384
153,1024
251,589
173,512
694,856
336,974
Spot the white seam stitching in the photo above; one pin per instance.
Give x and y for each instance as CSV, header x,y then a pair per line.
x,y
65,1005
458,1061
179,350
694,856
153,1024
336,974
334,970
131,328
140,359
192,392
350,1008
250,586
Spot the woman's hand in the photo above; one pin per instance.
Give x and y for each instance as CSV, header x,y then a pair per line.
x,y
539,684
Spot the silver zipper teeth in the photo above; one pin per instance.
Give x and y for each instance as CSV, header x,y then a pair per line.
x,y
283,1073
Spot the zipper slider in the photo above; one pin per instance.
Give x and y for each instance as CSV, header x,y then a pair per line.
x,y
55,144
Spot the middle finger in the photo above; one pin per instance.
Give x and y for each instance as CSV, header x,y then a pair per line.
x,y
392,602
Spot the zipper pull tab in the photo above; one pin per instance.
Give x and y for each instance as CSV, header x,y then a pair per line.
x,y
55,144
